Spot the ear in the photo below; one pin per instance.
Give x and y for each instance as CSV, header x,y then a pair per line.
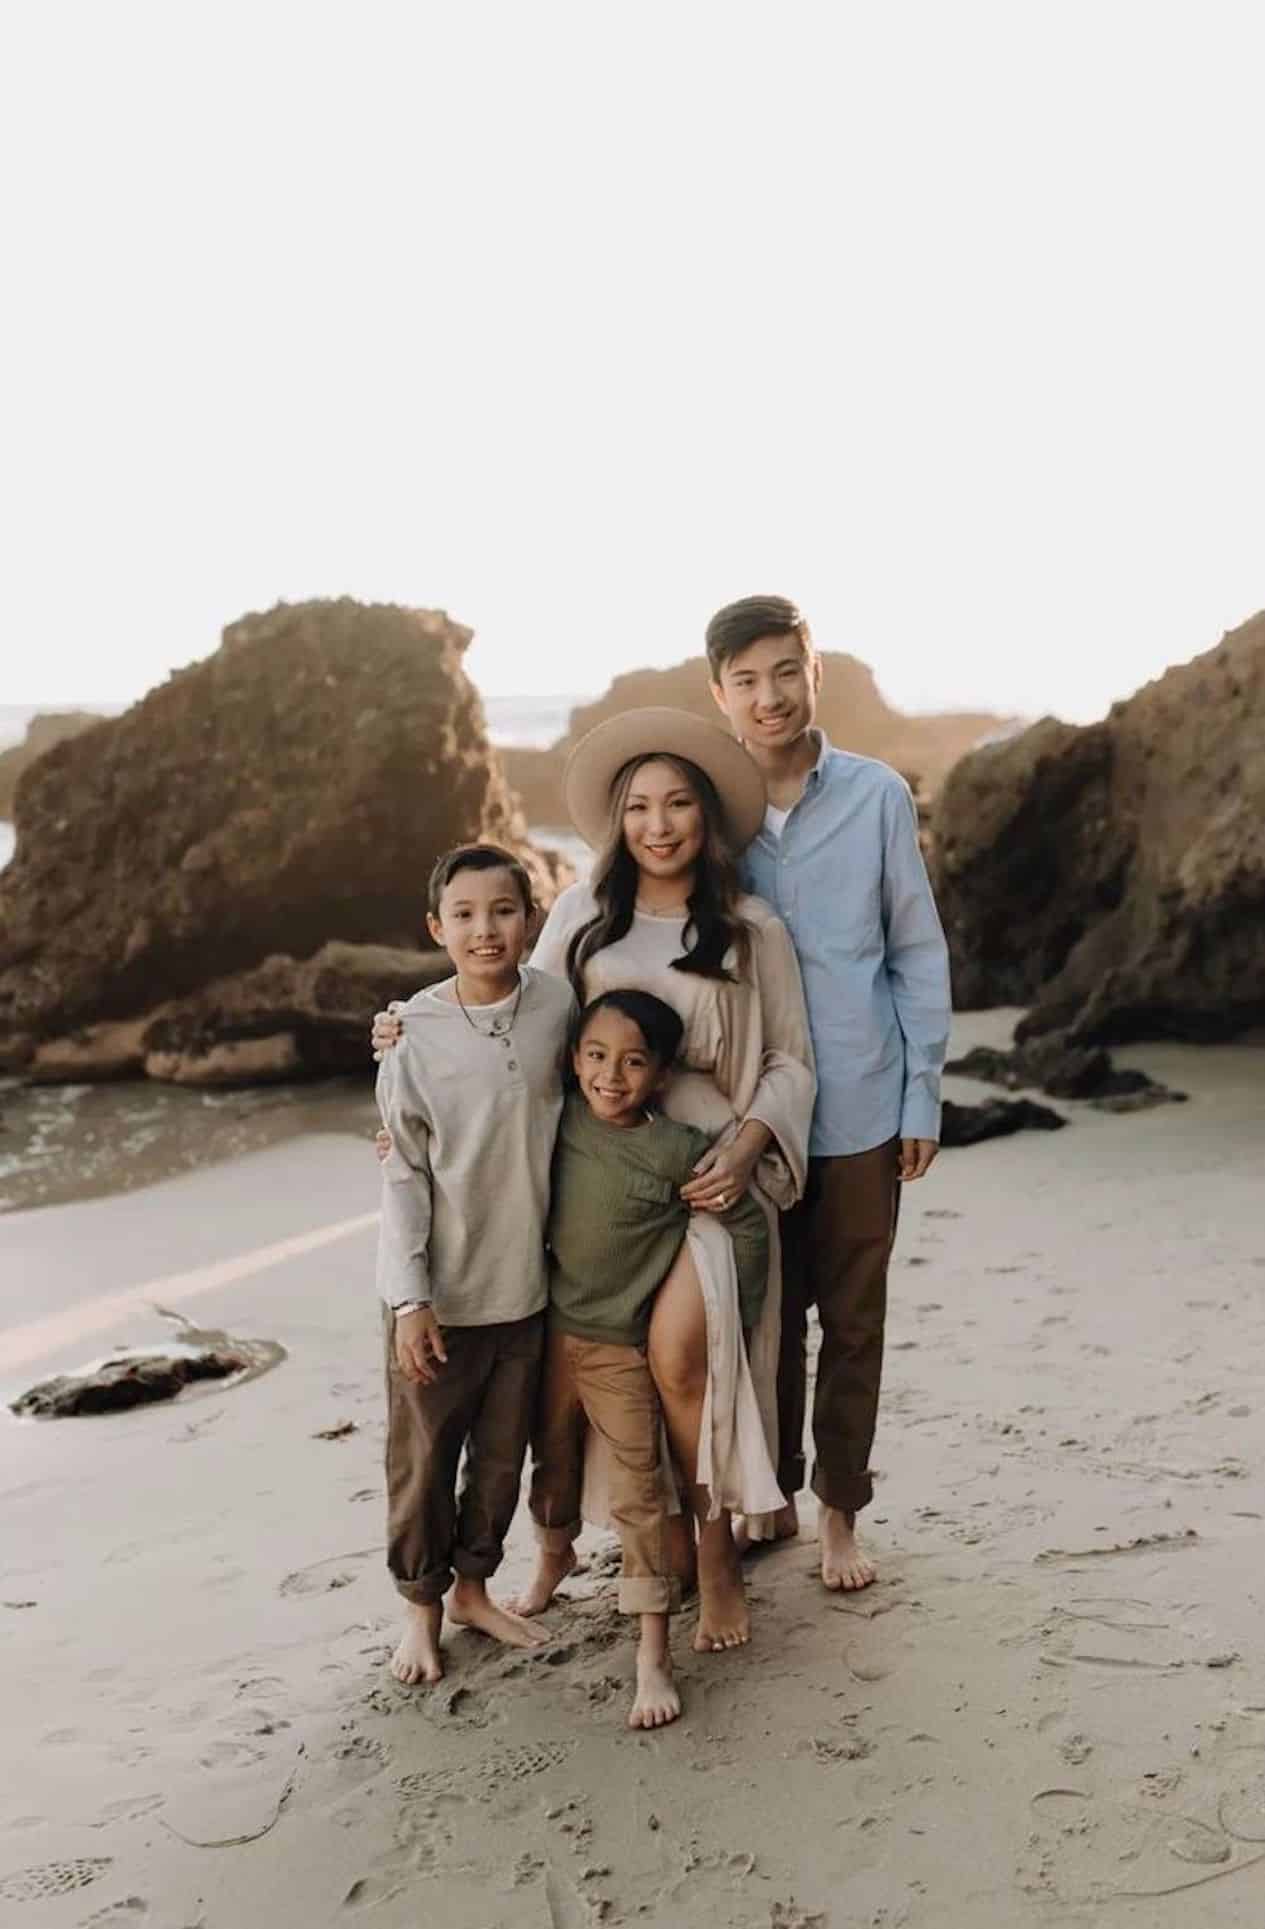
x,y
717,689
814,673
435,928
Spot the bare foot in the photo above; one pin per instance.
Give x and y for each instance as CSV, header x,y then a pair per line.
x,y
785,1528
551,1570
723,1620
471,1606
417,1658
656,1702
844,1568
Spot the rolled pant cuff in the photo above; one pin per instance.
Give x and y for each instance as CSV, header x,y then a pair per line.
x,y
425,1593
850,1492
649,1594
556,1540
475,1567
791,1476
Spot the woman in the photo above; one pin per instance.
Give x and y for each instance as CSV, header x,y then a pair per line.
x,y
666,799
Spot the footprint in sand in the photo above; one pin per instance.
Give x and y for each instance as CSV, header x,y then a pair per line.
x,y
322,1577
130,1910
1241,1808
53,1879
129,1808
230,1754
371,1890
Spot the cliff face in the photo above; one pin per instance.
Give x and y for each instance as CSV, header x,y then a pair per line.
x,y
292,789
1115,874
851,710
42,733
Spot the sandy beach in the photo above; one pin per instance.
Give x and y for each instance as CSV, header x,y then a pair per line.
x,y
1050,1710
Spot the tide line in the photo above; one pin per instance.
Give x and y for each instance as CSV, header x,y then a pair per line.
x,y
21,1344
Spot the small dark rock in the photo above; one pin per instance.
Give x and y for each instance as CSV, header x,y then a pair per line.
x,y
1054,1065
995,1119
129,1380
1138,1101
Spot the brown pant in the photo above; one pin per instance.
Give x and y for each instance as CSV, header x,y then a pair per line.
x,y
836,1244
482,1402
609,1387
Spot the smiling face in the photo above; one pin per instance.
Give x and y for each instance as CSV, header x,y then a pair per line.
x,y
769,691
664,829
617,1072
482,924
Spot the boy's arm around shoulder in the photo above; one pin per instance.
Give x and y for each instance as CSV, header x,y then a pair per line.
x,y
405,1215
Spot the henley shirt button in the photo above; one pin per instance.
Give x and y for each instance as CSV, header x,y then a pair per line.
x,y
513,1064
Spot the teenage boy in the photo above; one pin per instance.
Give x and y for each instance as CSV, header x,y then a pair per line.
x,y
838,859
471,1099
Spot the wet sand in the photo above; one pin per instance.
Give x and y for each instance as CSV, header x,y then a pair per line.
x,y
1050,1710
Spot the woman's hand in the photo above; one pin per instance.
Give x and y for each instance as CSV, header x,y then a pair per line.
x,y
724,1172
382,1144
387,1031
419,1345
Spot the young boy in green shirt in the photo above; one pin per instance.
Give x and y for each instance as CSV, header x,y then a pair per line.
x,y
617,1221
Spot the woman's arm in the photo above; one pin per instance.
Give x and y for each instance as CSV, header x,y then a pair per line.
x,y
787,1086
781,1107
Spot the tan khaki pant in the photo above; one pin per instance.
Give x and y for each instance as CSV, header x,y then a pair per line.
x,y
482,1403
610,1389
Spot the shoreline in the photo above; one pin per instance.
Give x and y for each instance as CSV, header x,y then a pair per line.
x,y
1053,1701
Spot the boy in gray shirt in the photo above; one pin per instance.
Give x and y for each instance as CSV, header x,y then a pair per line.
x,y
471,1099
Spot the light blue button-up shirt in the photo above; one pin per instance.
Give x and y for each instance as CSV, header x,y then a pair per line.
x,y
847,879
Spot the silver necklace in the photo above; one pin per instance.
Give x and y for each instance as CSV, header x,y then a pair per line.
x,y
500,1027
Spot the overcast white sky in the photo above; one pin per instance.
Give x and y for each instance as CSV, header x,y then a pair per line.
x,y
579,319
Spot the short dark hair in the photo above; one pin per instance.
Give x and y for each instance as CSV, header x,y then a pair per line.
x,y
659,1025
477,857
739,625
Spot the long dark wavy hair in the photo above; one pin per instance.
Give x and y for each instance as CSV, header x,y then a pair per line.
x,y
714,925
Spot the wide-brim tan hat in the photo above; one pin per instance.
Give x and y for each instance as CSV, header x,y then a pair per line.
x,y
599,757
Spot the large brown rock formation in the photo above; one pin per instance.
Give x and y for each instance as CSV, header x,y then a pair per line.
x,y
1114,875
292,789
852,711
42,732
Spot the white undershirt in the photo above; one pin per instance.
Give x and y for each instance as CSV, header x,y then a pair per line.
x,y
775,820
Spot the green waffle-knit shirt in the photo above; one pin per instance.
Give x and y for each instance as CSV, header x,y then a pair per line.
x,y
617,1220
